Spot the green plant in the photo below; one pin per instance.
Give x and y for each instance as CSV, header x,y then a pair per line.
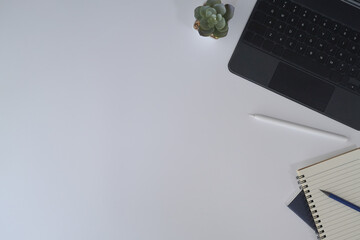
x,y
212,18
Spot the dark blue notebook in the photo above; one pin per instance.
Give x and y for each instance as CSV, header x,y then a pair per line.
x,y
300,207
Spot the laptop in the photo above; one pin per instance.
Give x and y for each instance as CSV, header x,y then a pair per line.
x,y
307,51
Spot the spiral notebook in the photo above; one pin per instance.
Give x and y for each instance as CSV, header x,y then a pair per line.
x,y
339,175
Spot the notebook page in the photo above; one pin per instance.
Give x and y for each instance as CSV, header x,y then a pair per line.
x,y
339,175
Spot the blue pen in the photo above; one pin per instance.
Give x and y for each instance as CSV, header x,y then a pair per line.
x,y
343,201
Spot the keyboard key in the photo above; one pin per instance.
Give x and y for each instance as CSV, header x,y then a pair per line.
x,y
320,45
292,57
248,36
354,48
264,6
343,42
331,62
352,87
353,83
278,50
303,25
272,11
257,28
351,59
290,43
355,37
257,40
283,15
260,17
321,57
270,21
311,40
331,50
335,27
326,23
290,31
280,26
332,38
324,34
288,6
313,29
304,13
300,48
301,36
275,2
280,39
284,4
293,20
310,52
342,67
354,72
268,45
271,34
341,54
345,32
295,9
315,18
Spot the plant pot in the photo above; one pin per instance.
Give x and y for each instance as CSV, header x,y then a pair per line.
x,y
197,25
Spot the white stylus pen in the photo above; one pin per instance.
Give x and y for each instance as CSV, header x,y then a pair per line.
x,y
300,127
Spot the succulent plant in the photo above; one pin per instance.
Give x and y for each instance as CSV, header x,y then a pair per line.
x,y
212,18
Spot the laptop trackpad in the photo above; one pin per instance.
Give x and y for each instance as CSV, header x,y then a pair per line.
x,y
301,87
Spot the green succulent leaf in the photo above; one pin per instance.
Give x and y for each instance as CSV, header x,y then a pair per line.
x,y
212,20
210,12
220,8
212,2
204,24
224,29
206,33
219,34
197,13
221,24
203,10
211,25
229,12
219,17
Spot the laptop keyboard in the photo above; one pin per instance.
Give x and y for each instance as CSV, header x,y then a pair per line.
x,y
308,40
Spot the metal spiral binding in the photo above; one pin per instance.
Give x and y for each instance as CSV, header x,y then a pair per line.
x,y
303,186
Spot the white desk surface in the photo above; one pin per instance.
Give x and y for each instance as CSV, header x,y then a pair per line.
x,y
119,122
